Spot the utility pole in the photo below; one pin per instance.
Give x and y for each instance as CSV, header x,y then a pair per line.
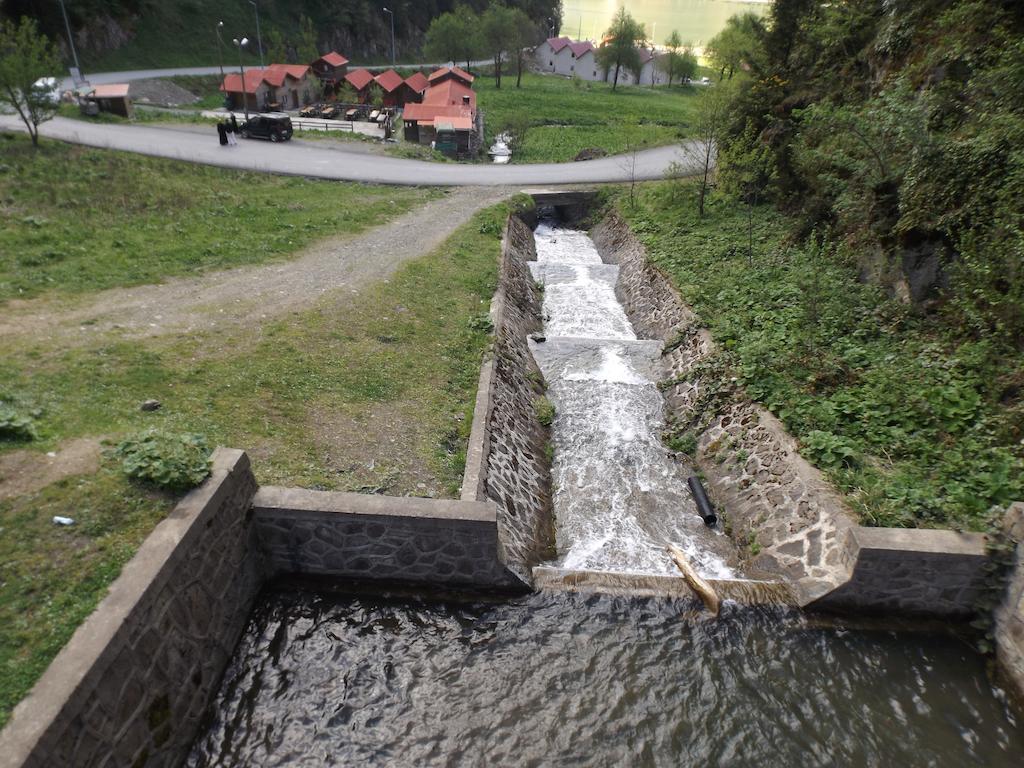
x,y
71,40
392,15
259,37
241,70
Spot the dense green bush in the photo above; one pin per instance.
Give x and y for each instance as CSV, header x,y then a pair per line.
x,y
16,424
172,462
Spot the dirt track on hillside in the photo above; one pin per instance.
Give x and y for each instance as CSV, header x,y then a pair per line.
x,y
248,295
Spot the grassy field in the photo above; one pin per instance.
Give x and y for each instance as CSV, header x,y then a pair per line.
x,y
567,117
367,391
74,219
901,409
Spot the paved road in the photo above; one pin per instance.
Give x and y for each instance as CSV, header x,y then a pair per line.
x,y
336,163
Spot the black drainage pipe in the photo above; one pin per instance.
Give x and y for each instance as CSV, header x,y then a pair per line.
x,y
704,508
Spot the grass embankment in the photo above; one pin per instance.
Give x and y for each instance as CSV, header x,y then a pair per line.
x,y
367,391
76,220
567,116
901,410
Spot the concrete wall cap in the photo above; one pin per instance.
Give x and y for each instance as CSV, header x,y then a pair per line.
x,y
277,500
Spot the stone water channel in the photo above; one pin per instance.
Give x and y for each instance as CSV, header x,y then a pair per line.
x,y
393,676
619,496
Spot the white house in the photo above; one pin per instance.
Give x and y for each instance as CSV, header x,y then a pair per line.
x,y
650,71
547,52
567,57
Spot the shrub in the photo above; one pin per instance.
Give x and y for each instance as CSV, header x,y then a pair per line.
x,y
828,450
545,411
173,462
15,425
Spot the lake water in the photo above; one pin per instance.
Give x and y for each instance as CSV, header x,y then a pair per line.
x,y
697,21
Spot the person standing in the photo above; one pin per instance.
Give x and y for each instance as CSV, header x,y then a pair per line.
x,y
232,141
234,123
222,134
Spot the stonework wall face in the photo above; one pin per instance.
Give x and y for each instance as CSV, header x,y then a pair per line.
x,y
912,572
1010,617
771,497
518,476
149,658
351,536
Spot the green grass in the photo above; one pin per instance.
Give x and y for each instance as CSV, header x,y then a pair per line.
x,y
566,118
399,361
907,415
74,219
206,87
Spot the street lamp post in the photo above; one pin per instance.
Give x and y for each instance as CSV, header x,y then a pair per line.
x,y
259,37
392,15
220,50
241,70
71,40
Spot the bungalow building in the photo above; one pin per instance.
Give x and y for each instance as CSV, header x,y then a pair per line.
x,y
650,71
112,98
448,116
360,80
417,85
330,69
393,87
279,86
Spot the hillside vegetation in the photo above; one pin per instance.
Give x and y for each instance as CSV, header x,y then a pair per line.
x,y
130,34
862,259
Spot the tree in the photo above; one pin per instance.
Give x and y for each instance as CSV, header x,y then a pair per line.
x,y
678,60
625,35
26,56
496,29
709,127
375,96
737,43
524,35
274,45
307,49
453,36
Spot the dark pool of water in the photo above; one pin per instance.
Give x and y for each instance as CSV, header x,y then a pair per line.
x,y
356,679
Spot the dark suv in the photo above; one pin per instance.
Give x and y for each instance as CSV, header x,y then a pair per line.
x,y
273,127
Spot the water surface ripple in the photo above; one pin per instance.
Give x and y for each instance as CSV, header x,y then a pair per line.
x,y
569,680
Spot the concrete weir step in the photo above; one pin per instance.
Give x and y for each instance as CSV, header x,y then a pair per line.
x,y
741,591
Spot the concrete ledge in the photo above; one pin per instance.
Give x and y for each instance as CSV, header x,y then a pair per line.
x,y
474,479
351,535
916,571
133,681
741,591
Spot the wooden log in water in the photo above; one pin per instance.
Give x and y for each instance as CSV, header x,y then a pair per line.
x,y
697,584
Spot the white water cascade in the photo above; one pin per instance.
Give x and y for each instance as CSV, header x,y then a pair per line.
x,y
619,497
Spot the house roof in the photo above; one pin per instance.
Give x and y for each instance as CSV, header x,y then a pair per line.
x,y
431,114
333,59
645,55
275,74
580,48
450,93
111,91
233,83
359,78
418,82
389,80
452,123
558,43
444,72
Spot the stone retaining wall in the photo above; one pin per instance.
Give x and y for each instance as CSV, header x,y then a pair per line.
x,y
1010,616
911,572
507,460
130,686
790,522
359,536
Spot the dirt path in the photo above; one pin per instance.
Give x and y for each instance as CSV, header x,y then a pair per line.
x,y
249,295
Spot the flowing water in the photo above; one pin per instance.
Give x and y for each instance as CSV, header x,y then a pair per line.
x,y
560,679
619,497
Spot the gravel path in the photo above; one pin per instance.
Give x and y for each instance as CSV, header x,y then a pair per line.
x,y
249,295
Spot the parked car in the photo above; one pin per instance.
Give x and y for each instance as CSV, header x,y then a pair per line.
x,y
273,127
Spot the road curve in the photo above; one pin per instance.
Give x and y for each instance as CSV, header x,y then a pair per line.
x,y
336,163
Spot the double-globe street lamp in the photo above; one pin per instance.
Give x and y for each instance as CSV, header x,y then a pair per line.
x,y
241,70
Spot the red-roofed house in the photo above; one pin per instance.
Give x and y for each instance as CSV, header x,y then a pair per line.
x,y
330,68
360,79
417,84
393,86
548,50
279,86
447,117
451,73
567,57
